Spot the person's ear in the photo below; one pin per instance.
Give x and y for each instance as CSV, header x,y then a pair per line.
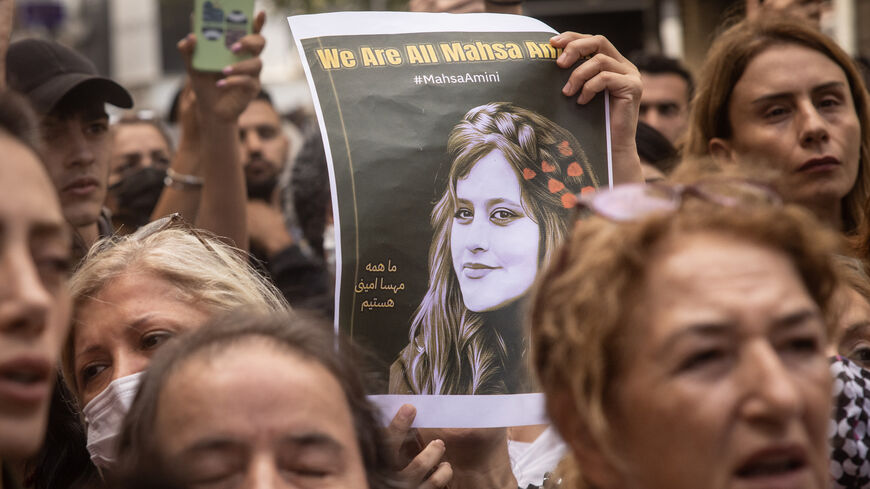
x,y
721,151
595,466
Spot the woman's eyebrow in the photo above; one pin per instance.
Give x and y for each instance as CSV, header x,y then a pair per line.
x,y
857,330
320,441
785,95
214,444
501,200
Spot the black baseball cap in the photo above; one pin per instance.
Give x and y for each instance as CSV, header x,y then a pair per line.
x,y
45,71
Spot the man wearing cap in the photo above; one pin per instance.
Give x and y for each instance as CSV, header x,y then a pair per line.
x,y
70,96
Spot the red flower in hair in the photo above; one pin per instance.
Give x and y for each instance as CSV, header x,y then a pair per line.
x,y
548,168
569,200
555,186
575,170
565,148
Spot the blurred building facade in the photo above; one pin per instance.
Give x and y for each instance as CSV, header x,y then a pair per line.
x,y
134,40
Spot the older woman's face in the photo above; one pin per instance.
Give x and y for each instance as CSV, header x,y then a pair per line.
x,y
118,330
494,243
724,382
289,427
793,108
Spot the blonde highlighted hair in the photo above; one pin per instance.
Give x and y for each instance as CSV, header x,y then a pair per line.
x,y
203,268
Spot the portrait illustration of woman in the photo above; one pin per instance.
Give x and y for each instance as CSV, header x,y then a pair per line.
x,y
506,206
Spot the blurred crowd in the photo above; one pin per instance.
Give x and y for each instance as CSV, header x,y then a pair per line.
x,y
166,303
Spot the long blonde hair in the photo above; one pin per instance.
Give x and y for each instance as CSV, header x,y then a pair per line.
x,y
452,351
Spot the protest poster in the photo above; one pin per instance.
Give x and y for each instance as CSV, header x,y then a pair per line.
x,y
454,164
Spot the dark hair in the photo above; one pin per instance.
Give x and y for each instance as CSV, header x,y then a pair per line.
x,y
18,120
309,185
657,64
301,334
63,461
654,148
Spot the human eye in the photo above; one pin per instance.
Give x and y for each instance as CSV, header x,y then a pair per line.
x,y
90,371
154,339
775,113
805,344
860,354
801,345
503,216
53,262
214,474
309,464
668,110
830,100
463,214
160,159
266,132
97,127
53,270
703,360
131,162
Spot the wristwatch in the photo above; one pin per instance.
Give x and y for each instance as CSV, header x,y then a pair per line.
x,y
182,182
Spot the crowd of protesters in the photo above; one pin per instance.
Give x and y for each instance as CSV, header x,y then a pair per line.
x,y
166,303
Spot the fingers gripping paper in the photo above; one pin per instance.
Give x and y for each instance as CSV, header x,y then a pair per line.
x,y
454,163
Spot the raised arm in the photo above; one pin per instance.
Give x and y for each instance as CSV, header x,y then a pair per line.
x,y
221,98
182,193
606,69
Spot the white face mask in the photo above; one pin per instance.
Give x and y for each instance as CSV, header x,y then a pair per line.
x,y
104,415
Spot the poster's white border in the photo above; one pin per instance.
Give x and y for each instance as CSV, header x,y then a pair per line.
x,y
332,184
433,411
607,133
375,23
489,411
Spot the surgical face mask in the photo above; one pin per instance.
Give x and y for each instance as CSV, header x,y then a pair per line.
x,y
104,415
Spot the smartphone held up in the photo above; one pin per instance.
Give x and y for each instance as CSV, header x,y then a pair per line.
x,y
218,25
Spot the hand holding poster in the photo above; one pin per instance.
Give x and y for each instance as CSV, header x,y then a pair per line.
x,y
455,161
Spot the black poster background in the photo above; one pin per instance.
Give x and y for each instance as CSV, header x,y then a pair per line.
x,y
387,136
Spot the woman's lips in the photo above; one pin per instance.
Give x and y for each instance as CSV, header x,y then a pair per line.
x,y
822,164
476,270
774,467
25,381
81,187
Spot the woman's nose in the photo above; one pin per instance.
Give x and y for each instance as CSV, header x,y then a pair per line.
x,y
477,238
771,391
813,126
